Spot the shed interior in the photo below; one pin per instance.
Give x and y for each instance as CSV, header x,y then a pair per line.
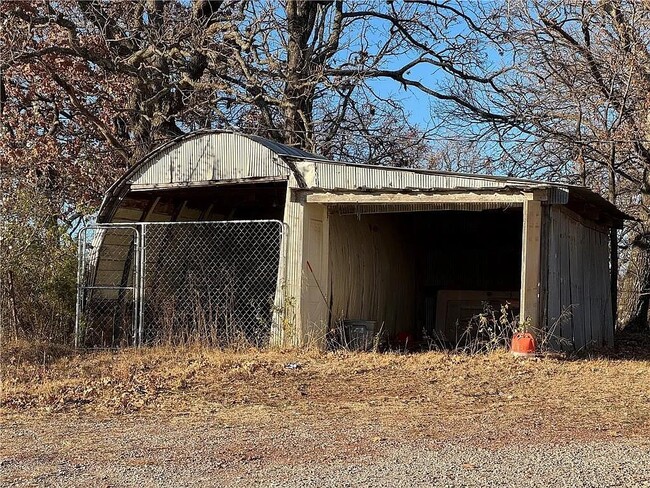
x,y
424,274
242,201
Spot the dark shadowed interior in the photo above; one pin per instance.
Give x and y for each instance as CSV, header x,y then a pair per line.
x,y
256,201
421,273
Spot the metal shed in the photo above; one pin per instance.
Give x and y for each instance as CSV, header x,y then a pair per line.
x,y
412,250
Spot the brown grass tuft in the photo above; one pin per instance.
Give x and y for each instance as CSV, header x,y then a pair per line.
x,y
490,395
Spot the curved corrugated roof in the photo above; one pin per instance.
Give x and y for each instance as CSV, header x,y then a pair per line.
x,y
217,155
206,156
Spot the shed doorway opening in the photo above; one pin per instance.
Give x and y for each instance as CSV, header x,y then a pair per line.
x,y
424,274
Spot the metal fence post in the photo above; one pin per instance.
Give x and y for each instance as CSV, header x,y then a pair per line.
x,y
141,275
81,256
136,286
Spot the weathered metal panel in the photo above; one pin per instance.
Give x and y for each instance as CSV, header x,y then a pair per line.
x,y
291,331
211,157
372,271
552,285
578,286
226,155
282,149
558,195
333,176
576,273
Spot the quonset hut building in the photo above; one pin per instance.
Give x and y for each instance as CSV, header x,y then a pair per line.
x,y
414,252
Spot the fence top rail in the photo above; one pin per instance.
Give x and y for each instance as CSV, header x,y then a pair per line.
x,y
88,287
133,225
113,225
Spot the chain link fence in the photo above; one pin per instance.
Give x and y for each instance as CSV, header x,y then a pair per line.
x,y
155,283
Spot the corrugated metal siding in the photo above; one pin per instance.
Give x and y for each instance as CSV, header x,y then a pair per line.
x,y
290,333
577,282
357,209
372,273
333,176
211,157
282,149
557,195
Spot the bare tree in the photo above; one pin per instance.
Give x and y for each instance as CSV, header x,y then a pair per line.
x,y
111,80
566,97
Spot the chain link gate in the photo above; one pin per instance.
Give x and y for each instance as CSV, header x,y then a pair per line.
x,y
108,280
212,283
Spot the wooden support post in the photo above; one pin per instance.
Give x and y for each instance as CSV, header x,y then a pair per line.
x,y
530,263
314,293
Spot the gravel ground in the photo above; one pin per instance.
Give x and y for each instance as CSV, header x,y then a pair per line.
x,y
451,464
64,450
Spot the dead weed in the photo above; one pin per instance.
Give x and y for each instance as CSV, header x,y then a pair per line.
x,y
493,394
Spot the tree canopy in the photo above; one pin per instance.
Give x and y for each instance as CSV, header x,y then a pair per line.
x,y
542,88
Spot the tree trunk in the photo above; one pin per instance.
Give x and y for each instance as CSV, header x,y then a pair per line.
x,y
636,285
299,87
635,288
613,238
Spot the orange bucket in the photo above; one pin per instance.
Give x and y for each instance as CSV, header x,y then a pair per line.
x,y
523,344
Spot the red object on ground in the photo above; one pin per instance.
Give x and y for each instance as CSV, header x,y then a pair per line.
x,y
405,340
403,337
523,344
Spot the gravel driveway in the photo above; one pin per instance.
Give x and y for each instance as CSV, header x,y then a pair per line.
x,y
62,450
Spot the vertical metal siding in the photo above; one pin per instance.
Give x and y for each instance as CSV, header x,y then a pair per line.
x,y
291,331
578,281
332,176
372,274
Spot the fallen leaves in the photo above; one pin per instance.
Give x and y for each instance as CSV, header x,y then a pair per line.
x,y
462,393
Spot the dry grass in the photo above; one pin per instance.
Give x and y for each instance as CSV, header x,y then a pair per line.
x,y
491,397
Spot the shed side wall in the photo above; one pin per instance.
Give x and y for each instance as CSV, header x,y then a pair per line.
x,y
577,281
372,275
290,331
